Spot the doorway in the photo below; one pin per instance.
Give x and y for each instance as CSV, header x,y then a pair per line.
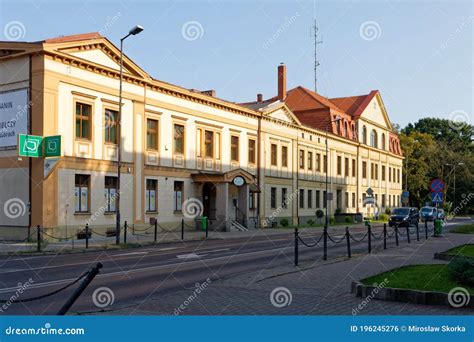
x,y
209,200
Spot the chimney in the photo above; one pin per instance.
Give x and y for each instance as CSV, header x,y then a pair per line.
x,y
281,82
259,98
210,92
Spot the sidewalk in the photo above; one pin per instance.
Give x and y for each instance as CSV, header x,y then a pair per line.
x,y
316,287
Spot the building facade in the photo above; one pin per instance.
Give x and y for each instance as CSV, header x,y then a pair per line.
x,y
184,153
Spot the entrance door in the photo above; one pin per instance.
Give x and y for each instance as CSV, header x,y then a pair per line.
x,y
209,200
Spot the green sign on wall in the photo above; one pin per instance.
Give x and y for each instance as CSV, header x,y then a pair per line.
x,y
30,146
52,146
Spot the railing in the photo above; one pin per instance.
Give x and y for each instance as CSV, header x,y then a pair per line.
x,y
369,235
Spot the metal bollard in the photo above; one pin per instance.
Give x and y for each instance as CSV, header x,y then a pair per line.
x,y
182,229
369,234
38,238
408,233
325,241
156,229
296,246
417,231
384,236
207,227
426,229
396,234
87,235
348,240
125,232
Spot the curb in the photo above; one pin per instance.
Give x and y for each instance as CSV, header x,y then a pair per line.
x,y
405,295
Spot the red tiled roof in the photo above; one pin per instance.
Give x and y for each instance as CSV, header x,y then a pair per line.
x,y
354,105
73,38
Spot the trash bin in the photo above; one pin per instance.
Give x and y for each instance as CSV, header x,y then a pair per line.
x,y
367,222
203,223
438,227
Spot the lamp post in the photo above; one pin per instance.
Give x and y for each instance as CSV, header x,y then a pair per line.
x,y
326,165
134,31
454,188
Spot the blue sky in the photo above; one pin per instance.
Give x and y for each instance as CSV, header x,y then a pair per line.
x,y
420,57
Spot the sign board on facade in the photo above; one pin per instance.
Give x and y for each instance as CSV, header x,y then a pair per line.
x,y
52,146
30,146
13,116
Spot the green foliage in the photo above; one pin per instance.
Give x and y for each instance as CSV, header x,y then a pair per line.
x,y
462,269
348,219
310,223
388,211
284,222
319,213
332,220
383,217
338,211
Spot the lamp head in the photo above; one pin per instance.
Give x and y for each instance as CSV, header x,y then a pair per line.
x,y
136,30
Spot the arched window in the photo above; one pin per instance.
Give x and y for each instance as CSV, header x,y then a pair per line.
x,y
338,126
346,129
373,138
354,136
364,135
382,143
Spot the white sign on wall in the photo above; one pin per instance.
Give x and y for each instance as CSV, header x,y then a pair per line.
x,y
14,111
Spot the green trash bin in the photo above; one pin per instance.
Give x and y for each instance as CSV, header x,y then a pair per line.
x,y
438,227
203,223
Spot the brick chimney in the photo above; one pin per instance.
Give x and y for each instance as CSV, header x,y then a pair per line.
x,y
281,82
259,98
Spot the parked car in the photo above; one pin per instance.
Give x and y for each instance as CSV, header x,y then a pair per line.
x,y
427,213
404,217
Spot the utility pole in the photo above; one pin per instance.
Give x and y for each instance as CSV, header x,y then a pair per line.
x,y
314,33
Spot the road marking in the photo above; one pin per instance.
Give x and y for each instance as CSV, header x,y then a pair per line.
x,y
190,256
131,253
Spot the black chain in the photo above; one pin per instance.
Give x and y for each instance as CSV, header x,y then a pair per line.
x,y
360,240
337,241
310,245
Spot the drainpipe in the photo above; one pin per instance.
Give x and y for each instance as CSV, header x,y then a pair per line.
x,y
259,153
30,165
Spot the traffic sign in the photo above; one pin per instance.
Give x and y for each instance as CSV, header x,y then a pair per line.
x,y
52,146
437,197
30,146
437,185
369,191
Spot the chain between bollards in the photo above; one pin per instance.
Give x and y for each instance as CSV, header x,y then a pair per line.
x,y
348,241
369,234
325,241
296,246
384,236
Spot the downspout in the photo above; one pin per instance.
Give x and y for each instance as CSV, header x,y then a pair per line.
x,y
30,165
259,131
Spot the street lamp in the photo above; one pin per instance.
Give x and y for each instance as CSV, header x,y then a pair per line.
x,y
134,31
454,172
326,165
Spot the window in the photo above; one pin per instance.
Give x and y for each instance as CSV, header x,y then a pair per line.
x,y
398,175
318,199
394,178
346,199
284,156
346,167
353,200
209,144
318,162
364,135
325,197
81,193
151,195
372,171
373,138
339,165
389,174
178,141
178,195
376,167
252,151
382,141
301,198
383,200
83,121
273,150
310,160
301,159
110,193
252,200
346,129
110,122
364,169
310,198
284,198
234,148
273,193
354,168
152,134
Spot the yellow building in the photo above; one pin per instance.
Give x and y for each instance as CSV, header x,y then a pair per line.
x,y
184,152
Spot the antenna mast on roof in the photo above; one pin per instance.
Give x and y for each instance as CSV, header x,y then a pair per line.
x,y
314,34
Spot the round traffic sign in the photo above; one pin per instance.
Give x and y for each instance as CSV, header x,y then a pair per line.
x,y
437,185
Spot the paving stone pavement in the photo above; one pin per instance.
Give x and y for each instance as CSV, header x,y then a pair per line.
x,y
317,287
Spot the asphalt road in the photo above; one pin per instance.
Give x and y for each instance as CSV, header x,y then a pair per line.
x,y
138,274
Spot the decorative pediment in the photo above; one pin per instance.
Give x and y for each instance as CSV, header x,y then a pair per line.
x,y
375,112
281,112
10,52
